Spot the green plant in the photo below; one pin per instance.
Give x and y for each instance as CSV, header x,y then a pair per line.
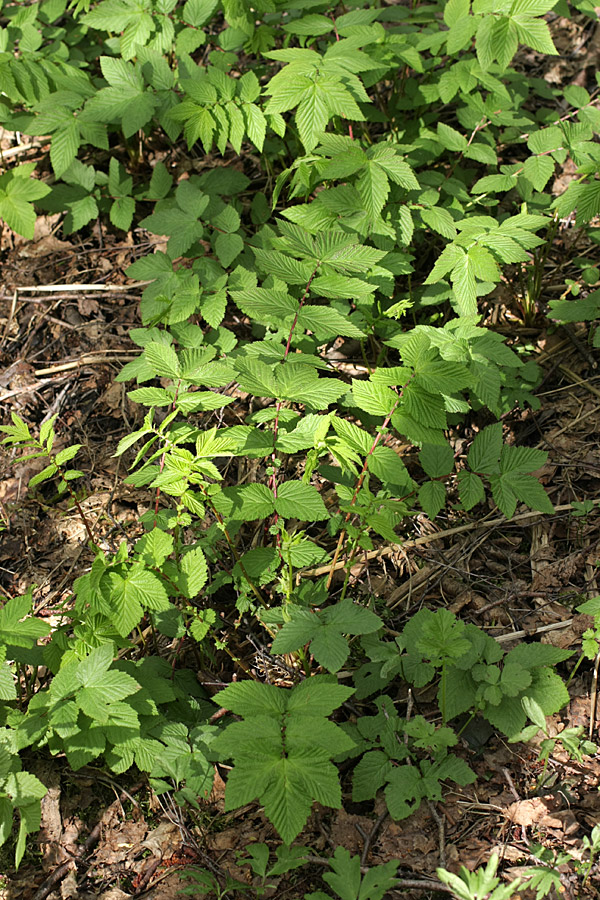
x,y
547,876
569,738
287,859
346,880
591,636
20,792
410,758
475,674
18,191
203,882
483,883
395,171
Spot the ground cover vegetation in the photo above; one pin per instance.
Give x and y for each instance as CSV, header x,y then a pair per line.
x,y
378,173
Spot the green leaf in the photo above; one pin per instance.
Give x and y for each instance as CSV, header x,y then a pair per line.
x,y
373,187
64,147
162,359
484,455
266,306
505,40
437,460
289,767
386,465
18,215
439,220
372,772
67,454
432,497
44,475
442,637
154,547
451,138
310,25
300,501
470,489
504,497
374,399
131,594
464,284
521,459
324,631
17,627
8,688
534,33
528,490
248,698
194,572
121,212
327,322
198,12
538,170
228,247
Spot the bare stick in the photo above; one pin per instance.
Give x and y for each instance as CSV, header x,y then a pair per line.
x,y
441,535
87,360
22,148
543,629
78,288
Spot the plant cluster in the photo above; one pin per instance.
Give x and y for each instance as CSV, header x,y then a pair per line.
x,y
382,219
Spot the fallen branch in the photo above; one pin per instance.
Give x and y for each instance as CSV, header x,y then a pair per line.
x,y
438,536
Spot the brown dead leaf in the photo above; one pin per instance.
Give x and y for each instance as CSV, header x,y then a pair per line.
x,y
570,636
217,795
532,812
87,306
121,845
164,840
44,247
44,241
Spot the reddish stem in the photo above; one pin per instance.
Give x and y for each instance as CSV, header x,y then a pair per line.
x,y
361,479
273,478
162,459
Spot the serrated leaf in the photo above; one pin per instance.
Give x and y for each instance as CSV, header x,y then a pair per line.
x,y
163,359
484,455
327,323
528,490
440,220
64,147
266,306
121,212
194,572
154,547
254,501
432,497
17,627
300,501
287,769
373,187
451,138
538,170
437,460
374,399
228,247
470,489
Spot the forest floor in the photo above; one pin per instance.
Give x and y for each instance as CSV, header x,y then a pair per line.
x,y
105,836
